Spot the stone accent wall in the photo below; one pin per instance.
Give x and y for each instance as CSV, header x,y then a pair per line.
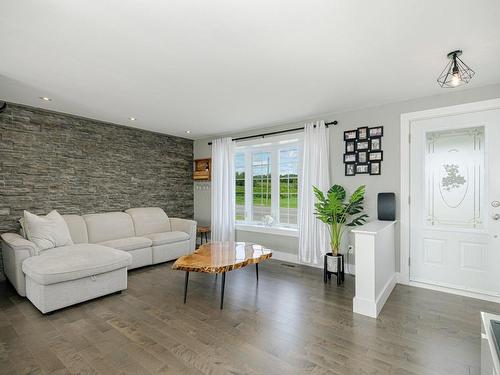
x,y
76,165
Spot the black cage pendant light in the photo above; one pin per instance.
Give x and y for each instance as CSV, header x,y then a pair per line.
x,y
456,72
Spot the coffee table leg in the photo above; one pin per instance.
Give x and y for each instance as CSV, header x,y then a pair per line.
x,y
186,286
257,270
222,290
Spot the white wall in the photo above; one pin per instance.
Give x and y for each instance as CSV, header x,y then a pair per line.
x,y
386,115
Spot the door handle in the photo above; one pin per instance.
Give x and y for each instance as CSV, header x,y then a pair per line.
x,y
496,216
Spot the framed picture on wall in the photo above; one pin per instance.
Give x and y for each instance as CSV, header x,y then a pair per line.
x,y
350,135
363,133
377,131
362,145
375,144
350,169
375,156
362,156
362,168
350,158
375,168
350,146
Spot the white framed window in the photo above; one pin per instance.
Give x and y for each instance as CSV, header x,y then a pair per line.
x,y
267,175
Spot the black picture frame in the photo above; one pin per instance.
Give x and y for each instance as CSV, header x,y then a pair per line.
x,y
347,143
363,142
350,169
362,133
363,151
351,154
376,140
362,157
370,159
362,168
375,168
350,135
376,132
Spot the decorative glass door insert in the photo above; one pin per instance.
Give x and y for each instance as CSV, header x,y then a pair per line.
x,y
454,166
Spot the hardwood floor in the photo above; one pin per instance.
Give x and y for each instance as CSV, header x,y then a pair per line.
x,y
290,323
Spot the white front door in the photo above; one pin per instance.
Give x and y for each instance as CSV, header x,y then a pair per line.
x,y
455,202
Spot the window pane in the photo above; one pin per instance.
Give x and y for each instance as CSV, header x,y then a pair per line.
x,y
239,166
289,170
261,185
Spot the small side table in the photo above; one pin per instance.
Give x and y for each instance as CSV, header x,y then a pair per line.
x,y
201,230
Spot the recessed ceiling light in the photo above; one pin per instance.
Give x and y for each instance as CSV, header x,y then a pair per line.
x,y
188,131
132,118
47,99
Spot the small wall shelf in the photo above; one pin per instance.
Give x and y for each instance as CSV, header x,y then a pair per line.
x,y
202,169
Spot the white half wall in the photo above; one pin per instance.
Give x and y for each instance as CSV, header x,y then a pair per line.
x,y
375,267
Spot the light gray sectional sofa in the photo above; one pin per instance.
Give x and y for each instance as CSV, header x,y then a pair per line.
x,y
105,246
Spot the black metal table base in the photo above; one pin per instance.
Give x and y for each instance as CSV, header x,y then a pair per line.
x,y
223,285
186,280
327,275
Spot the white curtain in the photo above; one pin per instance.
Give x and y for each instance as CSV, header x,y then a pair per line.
x,y
223,185
313,234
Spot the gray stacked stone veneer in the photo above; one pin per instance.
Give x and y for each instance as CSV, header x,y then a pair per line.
x,y
76,165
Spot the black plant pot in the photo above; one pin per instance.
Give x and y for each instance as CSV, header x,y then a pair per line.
x,y
338,271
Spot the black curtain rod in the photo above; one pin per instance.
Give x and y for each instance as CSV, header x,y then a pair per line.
x,y
277,132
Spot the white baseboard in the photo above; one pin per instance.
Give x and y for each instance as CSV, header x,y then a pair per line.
x,y
286,257
373,308
400,279
385,293
364,307
458,292
294,258
446,289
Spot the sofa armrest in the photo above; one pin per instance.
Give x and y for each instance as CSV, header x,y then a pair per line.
x,y
18,243
15,250
187,226
184,225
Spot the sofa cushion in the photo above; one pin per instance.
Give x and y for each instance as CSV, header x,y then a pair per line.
x,y
129,243
149,220
74,262
167,237
46,232
108,226
77,228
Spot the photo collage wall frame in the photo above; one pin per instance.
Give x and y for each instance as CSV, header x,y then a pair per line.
x,y
363,151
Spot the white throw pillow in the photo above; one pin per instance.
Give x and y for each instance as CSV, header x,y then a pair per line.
x,y
22,231
47,232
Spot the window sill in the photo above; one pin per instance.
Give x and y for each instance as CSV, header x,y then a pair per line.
x,y
280,231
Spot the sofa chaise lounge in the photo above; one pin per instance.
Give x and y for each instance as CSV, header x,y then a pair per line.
x,y
105,246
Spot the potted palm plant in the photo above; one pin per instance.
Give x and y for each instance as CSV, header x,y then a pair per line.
x,y
338,214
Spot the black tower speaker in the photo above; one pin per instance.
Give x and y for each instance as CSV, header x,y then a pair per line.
x,y
386,206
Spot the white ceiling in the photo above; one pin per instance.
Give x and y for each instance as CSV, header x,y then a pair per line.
x,y
216,66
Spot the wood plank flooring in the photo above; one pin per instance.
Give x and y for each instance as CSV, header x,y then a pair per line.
x,y
290,323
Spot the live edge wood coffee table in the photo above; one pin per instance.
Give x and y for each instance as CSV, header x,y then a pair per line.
x,y
221,257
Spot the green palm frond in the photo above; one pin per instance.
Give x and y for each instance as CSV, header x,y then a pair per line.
x,y
333,209
338,191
